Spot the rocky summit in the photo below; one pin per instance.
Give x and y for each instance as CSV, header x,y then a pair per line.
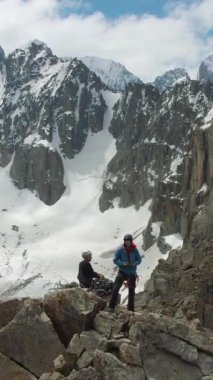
x,y
68,335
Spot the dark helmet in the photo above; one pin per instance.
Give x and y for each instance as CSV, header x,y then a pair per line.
x,y
128,237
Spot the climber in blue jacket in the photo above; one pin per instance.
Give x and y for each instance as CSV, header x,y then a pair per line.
x,y
127,258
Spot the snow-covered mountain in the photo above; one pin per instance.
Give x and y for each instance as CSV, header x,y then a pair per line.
x,y
48,107
205,72
42,245
54,140
80,166
170,78
89,164
113,74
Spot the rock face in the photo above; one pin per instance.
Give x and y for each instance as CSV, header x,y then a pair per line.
x,y
160,144
9,309
140,346
39,168
71,311
182,286
125,177
30,341
110,367
187,207
198,206
25,339
205,72
170,78
50,105
122,345
11,371
2,73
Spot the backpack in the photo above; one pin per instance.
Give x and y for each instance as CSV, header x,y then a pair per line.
x,y
102,286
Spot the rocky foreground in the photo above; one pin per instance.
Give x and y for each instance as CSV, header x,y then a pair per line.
x,y
68,335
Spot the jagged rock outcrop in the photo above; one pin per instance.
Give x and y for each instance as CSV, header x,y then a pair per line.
x,y
110,367
182,286
71,311
121,345
126,173
147,345
155,149
205,72
40,168
186,208
30,341
9,309
197,220
25,339
2,74
47,101
11,370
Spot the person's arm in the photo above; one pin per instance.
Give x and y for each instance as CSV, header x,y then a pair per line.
x,y
137,260
117,259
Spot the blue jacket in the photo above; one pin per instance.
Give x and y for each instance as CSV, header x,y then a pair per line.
x,y
121,257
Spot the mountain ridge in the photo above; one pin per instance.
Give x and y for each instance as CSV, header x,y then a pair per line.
x,y
113,74
170,78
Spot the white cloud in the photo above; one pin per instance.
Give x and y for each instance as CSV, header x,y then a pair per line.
x,y
146,45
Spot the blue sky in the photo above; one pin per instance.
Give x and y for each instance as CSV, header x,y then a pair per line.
x,y
113,9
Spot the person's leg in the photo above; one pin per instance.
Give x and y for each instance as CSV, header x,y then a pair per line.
x,y
116,287
131,297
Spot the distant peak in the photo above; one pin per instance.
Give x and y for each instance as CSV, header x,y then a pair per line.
x,y
35,46
170,78
209,58
37,43
176,72
113,74
205,72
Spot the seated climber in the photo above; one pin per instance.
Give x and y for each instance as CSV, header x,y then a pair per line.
x,y
86,272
